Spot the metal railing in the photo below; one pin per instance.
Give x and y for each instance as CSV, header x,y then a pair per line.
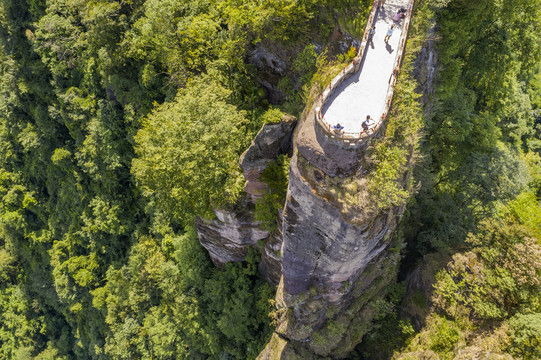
x,y
355,137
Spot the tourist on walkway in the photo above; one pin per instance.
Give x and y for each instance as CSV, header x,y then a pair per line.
x,y
371,34
381,3
338,129
365,124
389,33
399,15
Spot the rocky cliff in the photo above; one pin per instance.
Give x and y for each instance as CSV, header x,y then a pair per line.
x,y
335,243
229,236
335,254
271,141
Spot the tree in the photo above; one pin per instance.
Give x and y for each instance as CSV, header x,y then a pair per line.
x,y
499,277
187,151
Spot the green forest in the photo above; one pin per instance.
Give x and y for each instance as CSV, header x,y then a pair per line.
x,y
121,121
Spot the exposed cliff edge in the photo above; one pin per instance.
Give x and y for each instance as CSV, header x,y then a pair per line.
x,y
271,141
229,236
335,241
339,255
333,263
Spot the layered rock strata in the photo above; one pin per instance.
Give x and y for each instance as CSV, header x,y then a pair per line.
x,y
343,325
271,141
425,67
270,266
332,266
229,236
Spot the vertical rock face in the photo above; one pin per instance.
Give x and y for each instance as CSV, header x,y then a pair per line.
x,y
271,141
333,263
425,67
270,266
320,248
229,236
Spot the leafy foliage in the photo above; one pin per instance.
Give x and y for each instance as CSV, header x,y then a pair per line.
x,y
183,308
77,78
188,151
478,194
525,333
499,276
276,176
122,120
481,118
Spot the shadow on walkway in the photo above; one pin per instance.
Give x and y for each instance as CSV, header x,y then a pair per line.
x,y
363,93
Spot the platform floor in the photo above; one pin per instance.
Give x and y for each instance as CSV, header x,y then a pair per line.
x,y
364,92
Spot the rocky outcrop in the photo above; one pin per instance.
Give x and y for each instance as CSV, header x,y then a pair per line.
x,y
335,266
272,64
343,324
328,155
270,266
320,248
271,141
332,269
228,237
424,69
234,231
266,60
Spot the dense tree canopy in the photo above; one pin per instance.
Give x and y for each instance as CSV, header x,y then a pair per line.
x,y
472,231
120,121
188,149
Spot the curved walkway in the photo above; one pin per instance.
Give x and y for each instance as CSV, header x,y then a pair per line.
x,y
365,92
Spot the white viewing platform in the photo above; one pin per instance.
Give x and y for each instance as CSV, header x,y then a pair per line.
x,y
353,95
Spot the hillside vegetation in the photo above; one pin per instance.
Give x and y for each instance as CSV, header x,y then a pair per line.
x,y
472,269
120,121
123,120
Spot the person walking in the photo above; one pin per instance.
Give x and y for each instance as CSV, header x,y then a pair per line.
x,y
371,34
381,3
389,33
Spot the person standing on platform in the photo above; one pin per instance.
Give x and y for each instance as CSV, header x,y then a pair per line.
x,y
366,124
389,33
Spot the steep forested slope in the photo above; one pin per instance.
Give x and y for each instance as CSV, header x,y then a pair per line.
x,y
98,257
472,266
120,121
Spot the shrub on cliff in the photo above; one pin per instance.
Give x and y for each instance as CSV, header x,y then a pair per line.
x,y
276,176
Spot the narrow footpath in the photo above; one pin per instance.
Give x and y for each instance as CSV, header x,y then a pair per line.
x,y
364,93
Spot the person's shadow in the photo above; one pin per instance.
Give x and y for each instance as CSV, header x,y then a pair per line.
x,y
388,48
381,13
